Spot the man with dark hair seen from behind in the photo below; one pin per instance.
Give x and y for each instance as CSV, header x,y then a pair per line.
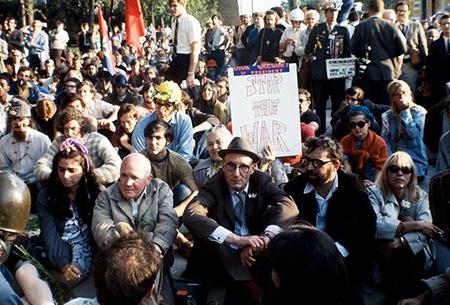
x,y
381,43
125,273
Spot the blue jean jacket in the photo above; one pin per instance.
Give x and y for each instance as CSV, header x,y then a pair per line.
x,y
405,132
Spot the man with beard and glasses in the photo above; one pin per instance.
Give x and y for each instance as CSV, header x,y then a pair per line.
x,y
335,203
23,146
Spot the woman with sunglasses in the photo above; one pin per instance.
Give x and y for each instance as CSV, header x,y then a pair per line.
x,y
364,151
403,126
404,227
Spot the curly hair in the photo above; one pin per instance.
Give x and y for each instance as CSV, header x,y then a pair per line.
x,y
325,143
71,114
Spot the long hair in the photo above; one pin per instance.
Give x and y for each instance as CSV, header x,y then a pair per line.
x,y
394,86
88,190
308,265
214,99
401,159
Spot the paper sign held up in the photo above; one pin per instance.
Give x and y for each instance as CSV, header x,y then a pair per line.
x,y
264,106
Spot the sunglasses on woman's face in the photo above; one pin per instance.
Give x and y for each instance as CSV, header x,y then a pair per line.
x,y
394,169
360,124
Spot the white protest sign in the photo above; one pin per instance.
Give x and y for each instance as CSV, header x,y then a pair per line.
x,y
264,106
340,67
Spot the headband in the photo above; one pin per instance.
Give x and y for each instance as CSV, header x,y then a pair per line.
x,y
72,144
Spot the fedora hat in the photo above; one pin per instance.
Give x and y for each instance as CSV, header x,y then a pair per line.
x,y
240,146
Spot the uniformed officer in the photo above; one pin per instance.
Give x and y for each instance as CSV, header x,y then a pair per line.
x,y
327,40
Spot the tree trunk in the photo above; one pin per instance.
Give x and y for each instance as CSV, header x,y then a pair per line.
x,y
30,11
22,15
229,11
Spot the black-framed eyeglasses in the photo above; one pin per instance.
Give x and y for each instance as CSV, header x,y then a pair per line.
x,y
316,163
231,167
163,105
360,124
394,169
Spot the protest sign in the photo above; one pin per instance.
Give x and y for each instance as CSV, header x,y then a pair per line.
x,y
340,67
264,106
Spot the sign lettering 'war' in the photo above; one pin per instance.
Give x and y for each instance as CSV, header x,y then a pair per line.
x,y
262,99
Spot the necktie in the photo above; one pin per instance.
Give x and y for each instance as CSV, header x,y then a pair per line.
x,y
175,39
448,46
239,209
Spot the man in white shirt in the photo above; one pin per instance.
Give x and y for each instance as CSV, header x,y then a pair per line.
x,y
233,219
332,201
186,44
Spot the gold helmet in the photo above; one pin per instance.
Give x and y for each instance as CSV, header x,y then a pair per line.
x,y
15,203
168,92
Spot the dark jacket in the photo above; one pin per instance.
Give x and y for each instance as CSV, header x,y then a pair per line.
x,y
266,204
385,41
350,219
319,49
438,68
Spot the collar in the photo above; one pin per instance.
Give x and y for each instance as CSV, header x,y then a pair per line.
x,y
139,199
309,187
244,190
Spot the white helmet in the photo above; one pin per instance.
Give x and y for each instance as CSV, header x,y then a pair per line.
x,y
296,15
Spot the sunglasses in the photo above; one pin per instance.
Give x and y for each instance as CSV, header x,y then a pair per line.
x,y
395,169
360,124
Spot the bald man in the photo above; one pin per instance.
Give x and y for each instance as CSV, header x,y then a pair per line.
x,y
136,202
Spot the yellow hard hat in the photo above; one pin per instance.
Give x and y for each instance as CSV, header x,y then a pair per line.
x,y
168,91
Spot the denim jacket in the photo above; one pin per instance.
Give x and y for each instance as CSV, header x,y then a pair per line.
x,y
407,137
389,213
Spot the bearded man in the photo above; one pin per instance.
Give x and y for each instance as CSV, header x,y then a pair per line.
x,y
23,146
334,202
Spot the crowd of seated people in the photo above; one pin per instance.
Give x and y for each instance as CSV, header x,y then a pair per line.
x,y
145,156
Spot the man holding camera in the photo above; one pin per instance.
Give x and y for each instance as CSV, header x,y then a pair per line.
x,y
378,44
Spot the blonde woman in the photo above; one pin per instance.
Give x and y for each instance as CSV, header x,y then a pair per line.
x,y
404,227
403,125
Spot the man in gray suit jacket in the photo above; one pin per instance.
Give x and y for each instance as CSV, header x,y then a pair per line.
x,y
382,43
233,219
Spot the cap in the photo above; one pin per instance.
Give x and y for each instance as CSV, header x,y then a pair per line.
x,y
211,63
168,91
331,5
19,108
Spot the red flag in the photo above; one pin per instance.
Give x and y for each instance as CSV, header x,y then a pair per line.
x,y
106,43
134,23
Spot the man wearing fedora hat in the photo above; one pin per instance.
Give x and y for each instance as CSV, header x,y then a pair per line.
x,y
23,146
233,219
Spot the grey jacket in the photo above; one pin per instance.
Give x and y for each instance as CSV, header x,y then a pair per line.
x,y
156,217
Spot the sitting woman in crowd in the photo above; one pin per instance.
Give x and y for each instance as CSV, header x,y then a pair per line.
x,y
217,138
404,226
65,213
306,267
403,126
364,151
354,96
121,138
72,124
209,103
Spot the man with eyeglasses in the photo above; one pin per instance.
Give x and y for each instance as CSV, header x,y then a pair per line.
x,y
334,202
168,95
121,94
233,218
